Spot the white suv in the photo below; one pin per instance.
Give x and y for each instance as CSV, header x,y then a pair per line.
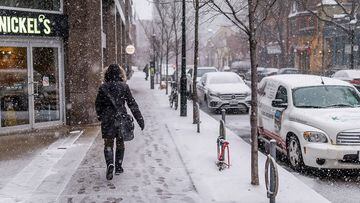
x,y
315,120
200,72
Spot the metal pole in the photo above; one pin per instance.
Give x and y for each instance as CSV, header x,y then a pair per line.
x,y
152,65
223,114
183,100
198,117
272,173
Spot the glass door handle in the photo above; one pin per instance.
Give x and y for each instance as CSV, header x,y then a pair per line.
x,y
36,90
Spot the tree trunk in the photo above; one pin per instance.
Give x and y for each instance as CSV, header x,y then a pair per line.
x,y
352,43
161,52
176,49
196,53
167,67
254,82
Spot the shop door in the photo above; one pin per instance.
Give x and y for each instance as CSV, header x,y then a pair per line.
x,y
14,85
30,85
45,71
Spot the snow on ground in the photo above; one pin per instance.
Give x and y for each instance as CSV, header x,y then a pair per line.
x,y
167,162
199,154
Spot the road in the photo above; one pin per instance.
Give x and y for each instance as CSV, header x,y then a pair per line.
x,y
336,186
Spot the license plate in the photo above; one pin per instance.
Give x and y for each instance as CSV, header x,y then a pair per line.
x,y
233,102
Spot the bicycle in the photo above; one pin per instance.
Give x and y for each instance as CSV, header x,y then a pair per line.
x,y
173,97
222,149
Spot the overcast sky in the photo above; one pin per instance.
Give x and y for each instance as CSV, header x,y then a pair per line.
x,y
143,9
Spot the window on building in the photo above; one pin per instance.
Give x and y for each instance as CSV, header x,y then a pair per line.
x,y
52,5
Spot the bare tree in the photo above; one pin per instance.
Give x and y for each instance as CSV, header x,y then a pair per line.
x,y
275,29
197,6
340,13
248,16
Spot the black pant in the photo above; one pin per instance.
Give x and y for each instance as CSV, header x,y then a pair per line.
x,y
109,151
109,142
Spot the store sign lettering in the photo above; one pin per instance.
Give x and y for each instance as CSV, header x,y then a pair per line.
x,y
33,24
25,25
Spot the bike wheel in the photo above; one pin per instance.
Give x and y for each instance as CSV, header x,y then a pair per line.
x,y
176,102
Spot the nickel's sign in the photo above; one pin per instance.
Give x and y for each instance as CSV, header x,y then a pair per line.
x,y
33,24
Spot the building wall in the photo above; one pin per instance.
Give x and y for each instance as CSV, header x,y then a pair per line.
x,y
85,58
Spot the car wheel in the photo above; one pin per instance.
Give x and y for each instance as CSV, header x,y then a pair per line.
x,y
294,153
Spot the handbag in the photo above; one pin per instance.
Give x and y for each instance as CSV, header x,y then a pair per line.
x,y
123,122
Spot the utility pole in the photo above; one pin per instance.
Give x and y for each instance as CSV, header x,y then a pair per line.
x,y
183,100
152,64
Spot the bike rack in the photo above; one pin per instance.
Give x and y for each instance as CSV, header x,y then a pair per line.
x,y
222,148
198,117
272,182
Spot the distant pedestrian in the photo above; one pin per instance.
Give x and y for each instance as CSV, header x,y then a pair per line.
x,y
146,71
115,86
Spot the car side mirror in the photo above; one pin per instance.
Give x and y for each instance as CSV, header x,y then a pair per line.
x,y
279,103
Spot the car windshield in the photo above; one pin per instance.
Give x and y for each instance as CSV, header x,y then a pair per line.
x,y
290,71
201,72
224,79
326,96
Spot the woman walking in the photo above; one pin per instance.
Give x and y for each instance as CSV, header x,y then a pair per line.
x,y
115,86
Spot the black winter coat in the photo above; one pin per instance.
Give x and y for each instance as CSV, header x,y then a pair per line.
x,y
106,111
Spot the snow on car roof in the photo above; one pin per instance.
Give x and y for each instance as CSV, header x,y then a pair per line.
x,y
351,73
300,80
221,74
206,67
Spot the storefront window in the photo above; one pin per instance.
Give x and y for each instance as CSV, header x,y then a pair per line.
x,y
14,98
52,5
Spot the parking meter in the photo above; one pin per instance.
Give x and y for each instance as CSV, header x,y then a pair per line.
x,y
152,74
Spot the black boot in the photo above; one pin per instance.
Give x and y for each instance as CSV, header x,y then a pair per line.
x,y
109,158
119,156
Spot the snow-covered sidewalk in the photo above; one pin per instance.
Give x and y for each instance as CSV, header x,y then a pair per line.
x,y
198,151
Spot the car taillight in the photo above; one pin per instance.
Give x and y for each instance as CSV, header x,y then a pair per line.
x,y
355,81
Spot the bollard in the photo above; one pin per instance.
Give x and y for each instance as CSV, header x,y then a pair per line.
x,y
198,117
272,172
223,114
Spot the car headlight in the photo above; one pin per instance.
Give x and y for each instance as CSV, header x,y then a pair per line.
x,y
312,136
214,94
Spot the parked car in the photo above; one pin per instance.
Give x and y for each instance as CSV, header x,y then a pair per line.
x,y
351,76
224,90
288,71
315,120
330,72
261,73
240,67
200,72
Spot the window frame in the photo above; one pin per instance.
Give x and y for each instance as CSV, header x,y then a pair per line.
x,y
61,11
281,87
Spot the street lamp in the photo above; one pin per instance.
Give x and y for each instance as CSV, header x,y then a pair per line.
x,y
183,101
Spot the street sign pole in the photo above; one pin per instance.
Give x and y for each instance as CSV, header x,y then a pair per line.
x,y
152,74
183,100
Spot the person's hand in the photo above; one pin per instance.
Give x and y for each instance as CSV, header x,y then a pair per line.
x,y
142,125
